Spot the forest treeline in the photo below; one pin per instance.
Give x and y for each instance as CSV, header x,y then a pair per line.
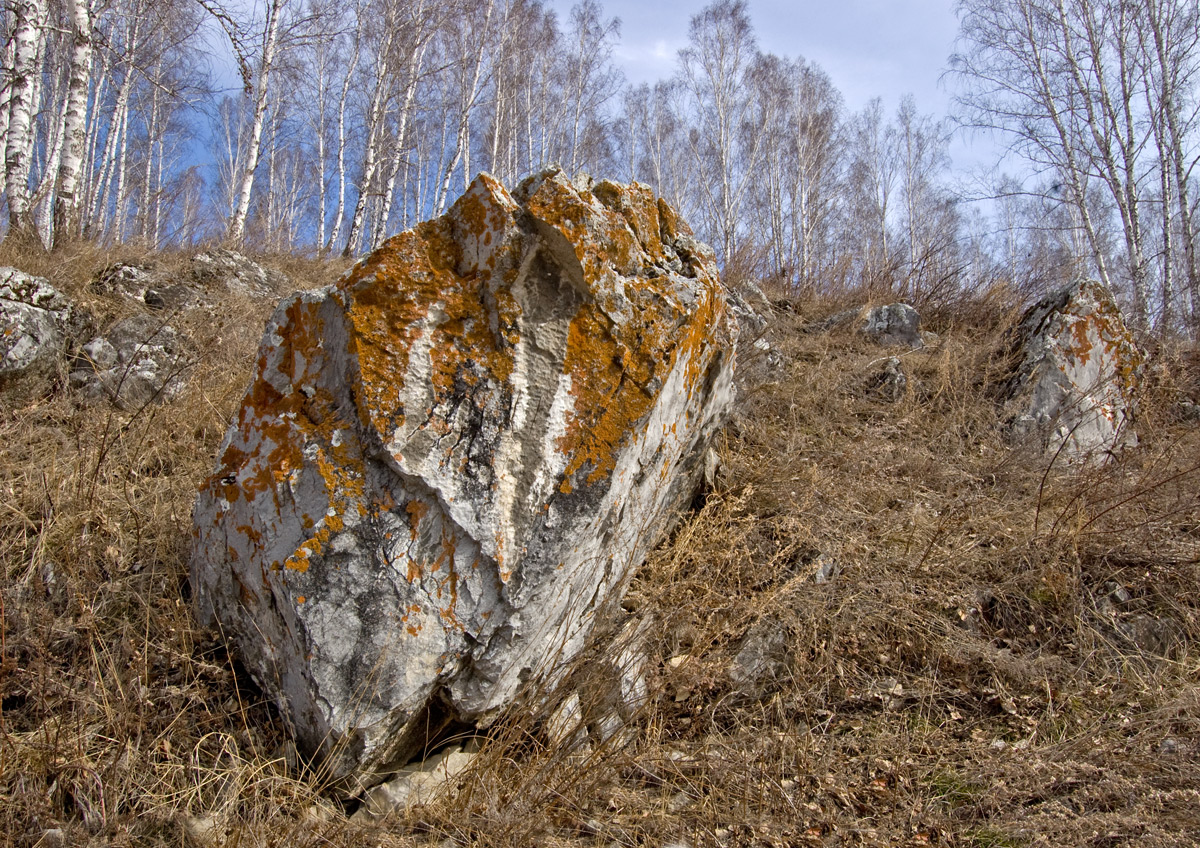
x,y
356,119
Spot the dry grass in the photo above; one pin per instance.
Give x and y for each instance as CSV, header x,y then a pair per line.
x,y
1006,655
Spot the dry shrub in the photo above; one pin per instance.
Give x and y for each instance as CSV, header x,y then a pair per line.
x,y
1005,653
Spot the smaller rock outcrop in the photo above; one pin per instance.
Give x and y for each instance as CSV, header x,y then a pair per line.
x,y
146,285
762,662
35,322
125,280
894,324
1074,387
227,269
213,274
138,361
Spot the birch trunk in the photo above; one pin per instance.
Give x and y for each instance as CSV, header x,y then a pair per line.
x,y
405,112
319,131
237,221
336,232
122,167
98,214
473,63
90,166
29,31
375,131
152,133
66,200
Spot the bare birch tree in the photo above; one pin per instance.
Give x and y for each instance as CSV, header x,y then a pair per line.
x,y
28,37
1096,93
715,68
66,202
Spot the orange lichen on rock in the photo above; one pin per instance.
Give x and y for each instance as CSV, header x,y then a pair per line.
x,y
423,281
1075,389
616,231
457,454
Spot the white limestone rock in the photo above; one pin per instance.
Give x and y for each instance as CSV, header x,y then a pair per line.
x,y
418,783
1074,389
139,360
889,383
35,322
229,270
150,286
448,465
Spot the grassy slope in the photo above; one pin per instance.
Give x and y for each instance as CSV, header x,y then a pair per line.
x,y
1005,656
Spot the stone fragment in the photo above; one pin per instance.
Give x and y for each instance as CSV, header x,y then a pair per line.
x,y
894,324
139,360
890,382
418,783
126,280
1170,746
35,322
1188,410
1074,386
842,318
566,727
761,663
824,569
448,465
204,831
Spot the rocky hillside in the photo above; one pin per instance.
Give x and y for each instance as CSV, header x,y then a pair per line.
x,y
890,621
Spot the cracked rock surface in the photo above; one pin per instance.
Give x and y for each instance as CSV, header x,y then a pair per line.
x,y
35,321
448,465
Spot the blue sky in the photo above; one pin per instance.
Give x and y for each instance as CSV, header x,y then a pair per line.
x,y
869,48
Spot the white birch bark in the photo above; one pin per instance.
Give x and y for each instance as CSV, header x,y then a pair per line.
x,y
152,135
90,166
97,219
120,200
236,229
375,133
336,230
29,32
66,201
472,67
403,117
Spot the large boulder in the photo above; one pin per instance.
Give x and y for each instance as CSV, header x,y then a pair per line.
x,y
448,465
36,321
1074,388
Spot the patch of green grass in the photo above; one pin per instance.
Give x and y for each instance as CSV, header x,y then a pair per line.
x,y
954,790
990,837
